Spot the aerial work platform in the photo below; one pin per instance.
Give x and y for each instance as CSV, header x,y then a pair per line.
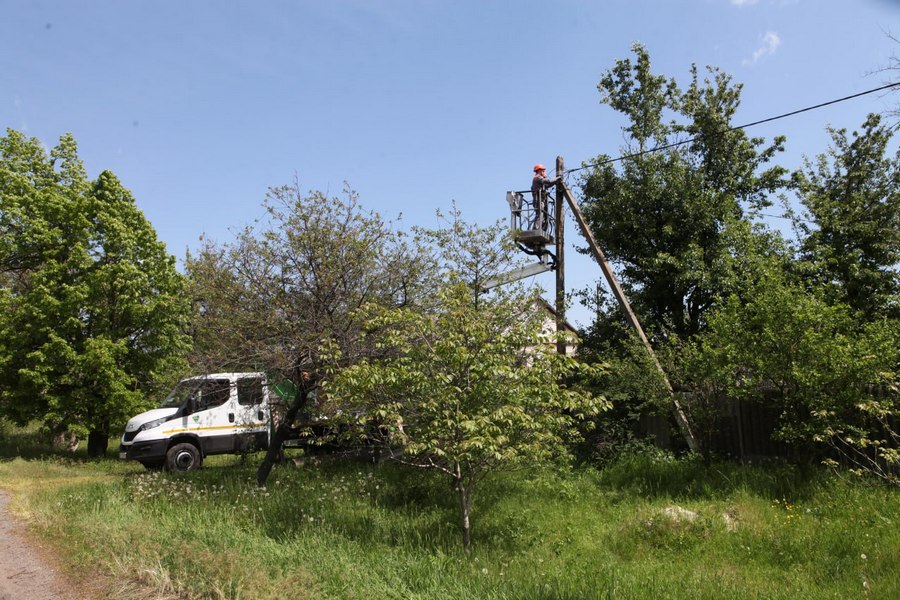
x,y
532,228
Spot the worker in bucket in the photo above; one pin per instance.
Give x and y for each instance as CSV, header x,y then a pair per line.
x,y
539,186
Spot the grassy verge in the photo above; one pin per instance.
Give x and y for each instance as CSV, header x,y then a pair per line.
x,y
343,529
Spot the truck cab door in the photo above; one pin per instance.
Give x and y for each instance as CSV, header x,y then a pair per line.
x,y
213,417
252,419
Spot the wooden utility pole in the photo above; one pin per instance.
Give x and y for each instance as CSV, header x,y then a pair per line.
x,y
632,319
559,216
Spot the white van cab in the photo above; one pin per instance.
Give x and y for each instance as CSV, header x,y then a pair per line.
x,y
223,413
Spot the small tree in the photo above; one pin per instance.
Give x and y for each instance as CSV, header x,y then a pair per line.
x,y
468,388
830,379
270,299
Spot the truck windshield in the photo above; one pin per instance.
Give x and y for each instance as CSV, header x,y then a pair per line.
x,y
206,393
182,392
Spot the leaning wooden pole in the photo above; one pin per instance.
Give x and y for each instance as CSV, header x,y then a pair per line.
x,y
632,319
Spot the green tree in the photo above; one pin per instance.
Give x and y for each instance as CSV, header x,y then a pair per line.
x,y
93,310
271,298
832,381
673,217
468,388
467,382
663,217
471,253
850,240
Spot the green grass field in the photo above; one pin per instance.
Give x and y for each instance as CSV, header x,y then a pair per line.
x,y
344,528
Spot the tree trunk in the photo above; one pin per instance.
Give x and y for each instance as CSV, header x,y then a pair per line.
x,y
275,444
464,507
64,440
97,443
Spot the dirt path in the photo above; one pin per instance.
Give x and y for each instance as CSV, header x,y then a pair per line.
x,y
26,573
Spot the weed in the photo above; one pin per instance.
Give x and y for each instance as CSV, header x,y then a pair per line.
x,y
644,527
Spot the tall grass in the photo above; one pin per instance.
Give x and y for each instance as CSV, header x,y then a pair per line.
x,y
347,529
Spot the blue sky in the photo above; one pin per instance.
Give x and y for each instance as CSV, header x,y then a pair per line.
x,y
201,106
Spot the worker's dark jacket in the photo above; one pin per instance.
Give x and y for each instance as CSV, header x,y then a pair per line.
x,y
539,187
540,184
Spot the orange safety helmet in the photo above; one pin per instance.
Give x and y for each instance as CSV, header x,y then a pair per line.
x,y
539,167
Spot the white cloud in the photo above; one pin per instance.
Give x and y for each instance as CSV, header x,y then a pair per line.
x,y
744,2
768,45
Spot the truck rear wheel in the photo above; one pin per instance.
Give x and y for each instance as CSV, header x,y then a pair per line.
x,y
183,457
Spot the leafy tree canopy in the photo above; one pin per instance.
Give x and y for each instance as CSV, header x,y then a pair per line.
x,y
270,299
832,381
850,242
469,387
92,310
664,217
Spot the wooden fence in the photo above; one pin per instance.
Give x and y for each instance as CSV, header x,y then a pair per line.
x,y
745,431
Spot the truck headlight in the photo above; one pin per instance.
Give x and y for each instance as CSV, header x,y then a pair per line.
x,y
153,423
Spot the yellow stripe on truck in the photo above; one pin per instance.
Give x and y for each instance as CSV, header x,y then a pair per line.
x,y
214,428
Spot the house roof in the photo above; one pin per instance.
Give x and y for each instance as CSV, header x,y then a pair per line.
x,y
547,307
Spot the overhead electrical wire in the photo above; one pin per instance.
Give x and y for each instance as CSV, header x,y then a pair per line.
x,y
786,217
730,129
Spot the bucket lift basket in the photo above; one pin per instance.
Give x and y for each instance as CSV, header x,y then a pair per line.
x,y
532,228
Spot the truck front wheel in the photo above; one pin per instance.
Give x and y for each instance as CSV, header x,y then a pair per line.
x,y
183,457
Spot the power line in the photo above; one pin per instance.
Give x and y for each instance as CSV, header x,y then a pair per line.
x,y
760,122
787,217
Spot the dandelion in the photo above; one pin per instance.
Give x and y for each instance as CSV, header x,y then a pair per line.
x,y
484,571
862,556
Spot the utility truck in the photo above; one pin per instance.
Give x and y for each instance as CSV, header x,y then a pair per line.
x,y
223,413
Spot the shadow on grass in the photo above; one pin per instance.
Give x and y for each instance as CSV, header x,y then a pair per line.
x,y
419,510
33,443
409,508
651,477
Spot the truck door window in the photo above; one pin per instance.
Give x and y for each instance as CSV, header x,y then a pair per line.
x,y
213,392
250,392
